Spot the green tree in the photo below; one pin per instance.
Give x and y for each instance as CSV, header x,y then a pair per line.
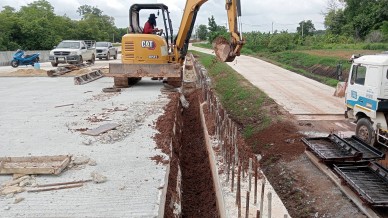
x,y
212,24
86,10
216,30
305,28
334,21
202,32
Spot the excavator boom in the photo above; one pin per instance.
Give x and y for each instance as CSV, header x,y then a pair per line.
x,y
225,50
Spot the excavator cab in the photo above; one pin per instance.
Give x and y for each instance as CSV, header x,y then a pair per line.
x,y
141,48
162,56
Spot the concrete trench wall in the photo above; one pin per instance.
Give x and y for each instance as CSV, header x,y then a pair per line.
x,y
171,205
222,150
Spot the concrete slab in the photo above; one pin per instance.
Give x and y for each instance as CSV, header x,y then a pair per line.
x,y
30,125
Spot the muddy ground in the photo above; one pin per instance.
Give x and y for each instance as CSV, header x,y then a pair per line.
x,y
304,189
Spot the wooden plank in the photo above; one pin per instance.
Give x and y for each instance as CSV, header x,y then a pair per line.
x,y
345,189
101,129
34,164
144,70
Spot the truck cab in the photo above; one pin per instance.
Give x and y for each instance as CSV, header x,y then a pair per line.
x,y
73,52
367,97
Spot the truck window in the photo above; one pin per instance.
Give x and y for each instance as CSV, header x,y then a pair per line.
x,y
358,75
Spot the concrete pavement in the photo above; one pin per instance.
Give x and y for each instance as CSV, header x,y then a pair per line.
x,y
305,98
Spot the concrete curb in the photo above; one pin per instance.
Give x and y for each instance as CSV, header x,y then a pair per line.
x,y
213,166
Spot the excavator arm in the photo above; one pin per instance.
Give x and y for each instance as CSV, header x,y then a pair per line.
x,y
225,50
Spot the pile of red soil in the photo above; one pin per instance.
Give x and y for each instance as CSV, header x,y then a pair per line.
x,y
280,140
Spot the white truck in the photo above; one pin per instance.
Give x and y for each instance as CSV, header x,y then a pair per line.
x,y
106,50
73,52
367,97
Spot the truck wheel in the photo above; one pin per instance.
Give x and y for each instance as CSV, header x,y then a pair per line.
x,y
364,130
54,64
115,57
108,56
80,60
14,64
92,60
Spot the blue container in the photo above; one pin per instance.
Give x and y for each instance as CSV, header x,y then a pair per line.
x,y
37,66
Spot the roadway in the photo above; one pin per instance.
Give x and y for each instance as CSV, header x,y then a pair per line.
x,y
305,98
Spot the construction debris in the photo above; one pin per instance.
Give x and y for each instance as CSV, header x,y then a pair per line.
x,y
65,69
111,89
98,178
18,200
16,181
64,105
34,165
11,190
101,129
340,89
64,183
183,101
56,188
88,77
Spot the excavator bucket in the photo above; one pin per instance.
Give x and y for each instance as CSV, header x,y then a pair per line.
x,y
223,49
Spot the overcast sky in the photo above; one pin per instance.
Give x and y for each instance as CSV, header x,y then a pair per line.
x,y
257,15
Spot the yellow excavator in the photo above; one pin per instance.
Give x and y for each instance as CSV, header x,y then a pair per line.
x,y
162,54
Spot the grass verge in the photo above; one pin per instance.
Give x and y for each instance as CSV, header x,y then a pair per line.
x,y
246,103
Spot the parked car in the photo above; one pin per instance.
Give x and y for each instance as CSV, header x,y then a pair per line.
x,y
73,52
106,50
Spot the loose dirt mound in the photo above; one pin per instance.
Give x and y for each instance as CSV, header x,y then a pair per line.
x,y
25,73
280,140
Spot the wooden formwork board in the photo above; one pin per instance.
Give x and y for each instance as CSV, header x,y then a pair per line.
x,y
34,165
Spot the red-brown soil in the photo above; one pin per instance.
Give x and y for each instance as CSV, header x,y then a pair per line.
x,y
188,152
279,140
198,199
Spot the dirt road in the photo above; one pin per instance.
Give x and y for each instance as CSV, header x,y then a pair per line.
x,y
305,98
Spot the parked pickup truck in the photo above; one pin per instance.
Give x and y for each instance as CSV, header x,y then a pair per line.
x,y
73,52
106,50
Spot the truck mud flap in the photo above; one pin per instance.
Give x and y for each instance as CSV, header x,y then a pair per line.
x,y
144,70
369,181
332,149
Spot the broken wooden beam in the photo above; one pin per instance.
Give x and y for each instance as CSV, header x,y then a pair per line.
x,y
34,164
56,188
101,129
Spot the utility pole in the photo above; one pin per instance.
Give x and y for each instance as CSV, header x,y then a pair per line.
x,y
272,27
302,28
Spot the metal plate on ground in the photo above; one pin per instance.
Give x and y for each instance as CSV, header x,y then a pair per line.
x,y
332,149
368,152
369,181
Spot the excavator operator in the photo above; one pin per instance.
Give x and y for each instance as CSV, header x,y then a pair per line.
x,y
149,26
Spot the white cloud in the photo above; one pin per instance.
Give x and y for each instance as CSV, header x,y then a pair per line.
x,y
257,15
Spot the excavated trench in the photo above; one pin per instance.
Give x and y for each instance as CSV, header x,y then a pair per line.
x,y
190,191
198,199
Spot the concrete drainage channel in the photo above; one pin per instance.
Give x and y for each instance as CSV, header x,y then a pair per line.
x,y
212,176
